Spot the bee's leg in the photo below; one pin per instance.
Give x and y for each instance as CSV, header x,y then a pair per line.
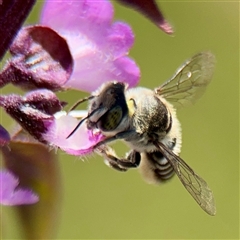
x,y
126,135
110,157
132,159
114,165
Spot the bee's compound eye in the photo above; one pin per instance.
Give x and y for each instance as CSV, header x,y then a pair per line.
x,y
111,119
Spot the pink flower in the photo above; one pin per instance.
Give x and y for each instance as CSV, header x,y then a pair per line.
x,y
99,51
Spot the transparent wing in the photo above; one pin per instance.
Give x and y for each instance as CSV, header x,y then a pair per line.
x,y
190,80
195,185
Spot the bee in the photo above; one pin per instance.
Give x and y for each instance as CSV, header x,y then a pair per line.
x,y
146,121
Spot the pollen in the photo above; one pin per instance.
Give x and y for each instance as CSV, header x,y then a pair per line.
x,y
131,107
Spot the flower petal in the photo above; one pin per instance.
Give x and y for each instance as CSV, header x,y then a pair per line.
x,y
81,142
4,136
92,71
9,195
120,39
126,70
88,17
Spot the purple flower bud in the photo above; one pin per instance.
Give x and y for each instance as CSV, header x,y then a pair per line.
x,y
34,111
44,100
41,59
150,9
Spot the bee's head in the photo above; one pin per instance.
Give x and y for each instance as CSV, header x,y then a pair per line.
x,y
108,108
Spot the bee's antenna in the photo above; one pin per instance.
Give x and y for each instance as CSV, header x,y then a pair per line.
x,y
78,125
79,102
82,120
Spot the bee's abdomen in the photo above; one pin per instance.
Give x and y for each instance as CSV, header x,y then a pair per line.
x,y
163,169
155,168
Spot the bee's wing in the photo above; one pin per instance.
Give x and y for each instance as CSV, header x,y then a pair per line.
x,y
190,80
195,185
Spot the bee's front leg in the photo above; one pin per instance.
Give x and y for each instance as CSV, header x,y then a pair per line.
x,y
132,159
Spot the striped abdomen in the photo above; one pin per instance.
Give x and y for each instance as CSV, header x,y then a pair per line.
x,y
163,169
155,168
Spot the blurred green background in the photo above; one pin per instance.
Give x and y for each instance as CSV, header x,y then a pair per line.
x,y
101,203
